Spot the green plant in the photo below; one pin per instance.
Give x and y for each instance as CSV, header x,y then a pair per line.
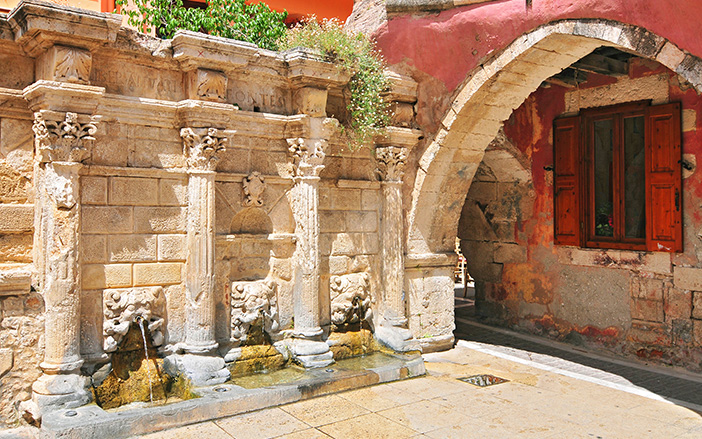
x,y
255,23
368,110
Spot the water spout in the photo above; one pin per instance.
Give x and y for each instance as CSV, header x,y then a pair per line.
x,y
140,321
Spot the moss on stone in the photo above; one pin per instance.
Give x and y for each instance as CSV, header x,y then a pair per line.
x,y
257,358
352,343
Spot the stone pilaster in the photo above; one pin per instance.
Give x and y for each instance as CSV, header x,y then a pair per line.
x,y
62,142
391,154
307,158
201,363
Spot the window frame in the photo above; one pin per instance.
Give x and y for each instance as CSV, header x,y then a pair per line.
x,y
573,177
616,113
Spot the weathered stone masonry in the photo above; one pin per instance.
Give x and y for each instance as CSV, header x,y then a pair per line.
x,y
193,184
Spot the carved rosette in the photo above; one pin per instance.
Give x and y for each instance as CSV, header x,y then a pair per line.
x,y
72,64
254,303
201,146
350,298
122,307
391,162
253,185
307,156
64,141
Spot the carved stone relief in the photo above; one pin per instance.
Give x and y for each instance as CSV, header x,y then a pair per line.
x,y
201,146
254,303
71,64
64,141
211,85
254,185
350,298
122,307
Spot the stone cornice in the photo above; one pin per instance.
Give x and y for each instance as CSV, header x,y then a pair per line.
x,y
63,96
38,25
399,137
402,88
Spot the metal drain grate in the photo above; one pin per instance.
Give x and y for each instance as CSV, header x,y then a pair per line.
x,y
483,380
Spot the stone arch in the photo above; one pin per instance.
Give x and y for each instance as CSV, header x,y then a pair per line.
x,y
487,98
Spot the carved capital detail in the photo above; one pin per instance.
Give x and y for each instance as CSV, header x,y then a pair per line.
x,y
307,156
122,307
254,311
201,146
72,64
391,162
254,185
64,141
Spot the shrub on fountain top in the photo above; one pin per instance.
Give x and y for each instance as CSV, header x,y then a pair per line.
x,y
368,109
255,23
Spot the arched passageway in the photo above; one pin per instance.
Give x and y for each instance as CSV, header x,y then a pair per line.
x,y
486,99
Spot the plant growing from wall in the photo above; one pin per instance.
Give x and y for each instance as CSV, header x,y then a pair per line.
x,y
368,110
255,23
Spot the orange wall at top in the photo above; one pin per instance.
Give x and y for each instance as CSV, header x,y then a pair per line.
x,y
340,9
297,9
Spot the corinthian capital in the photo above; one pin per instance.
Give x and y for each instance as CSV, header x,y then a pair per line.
x,y
64,141
307,156
201,146
391,162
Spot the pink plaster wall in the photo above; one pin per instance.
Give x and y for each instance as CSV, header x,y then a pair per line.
x,y
450,44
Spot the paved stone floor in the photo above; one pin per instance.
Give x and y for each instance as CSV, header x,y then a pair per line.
x,y
553,392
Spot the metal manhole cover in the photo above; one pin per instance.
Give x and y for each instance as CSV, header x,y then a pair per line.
x,y
483,380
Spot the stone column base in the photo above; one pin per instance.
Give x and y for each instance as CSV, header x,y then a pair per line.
x,y
56,392
201,370
397,339
437,343
310,353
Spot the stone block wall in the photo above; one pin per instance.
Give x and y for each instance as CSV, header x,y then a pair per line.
x,y
151,175
133,235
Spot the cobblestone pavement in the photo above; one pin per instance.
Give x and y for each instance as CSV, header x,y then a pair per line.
x,y
552,392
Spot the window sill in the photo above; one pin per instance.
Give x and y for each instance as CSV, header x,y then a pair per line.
x,y
654,262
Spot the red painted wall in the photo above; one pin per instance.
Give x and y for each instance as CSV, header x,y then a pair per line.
x,y
450,44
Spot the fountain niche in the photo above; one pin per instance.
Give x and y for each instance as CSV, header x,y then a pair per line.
x,y
351,316
133,332
255,329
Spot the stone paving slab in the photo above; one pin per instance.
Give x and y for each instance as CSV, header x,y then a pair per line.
x,y
534,403
674,384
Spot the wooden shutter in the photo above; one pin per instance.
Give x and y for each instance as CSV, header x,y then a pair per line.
x,y
663,179
567,180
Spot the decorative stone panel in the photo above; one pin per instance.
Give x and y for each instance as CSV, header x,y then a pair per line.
x,y
208,85
65,64
254,303
350,298
122,307
254,185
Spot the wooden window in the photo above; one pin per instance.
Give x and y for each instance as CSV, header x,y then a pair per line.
x,y
617,178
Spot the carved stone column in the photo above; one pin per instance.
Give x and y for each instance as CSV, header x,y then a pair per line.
x,y
308,157
200,364
62,142
392,329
